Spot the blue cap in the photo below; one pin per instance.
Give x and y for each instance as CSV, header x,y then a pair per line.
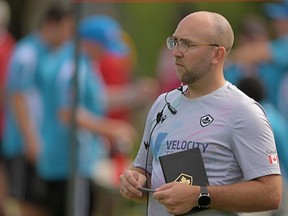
x,y
277,11
104,30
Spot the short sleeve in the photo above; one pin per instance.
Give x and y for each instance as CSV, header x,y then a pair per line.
x,y
22,68
253,142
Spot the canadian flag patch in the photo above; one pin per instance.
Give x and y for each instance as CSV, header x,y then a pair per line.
x,y
273,159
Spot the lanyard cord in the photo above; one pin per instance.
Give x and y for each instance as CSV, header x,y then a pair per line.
x,y
147,146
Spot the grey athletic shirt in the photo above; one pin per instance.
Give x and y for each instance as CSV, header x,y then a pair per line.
x,y
231,130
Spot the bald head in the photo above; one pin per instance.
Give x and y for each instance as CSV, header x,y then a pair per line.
x,y
209,27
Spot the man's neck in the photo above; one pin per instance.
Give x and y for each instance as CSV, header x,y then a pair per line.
x,y
203,87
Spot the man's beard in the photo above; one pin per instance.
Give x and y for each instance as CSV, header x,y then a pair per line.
x,y
195,73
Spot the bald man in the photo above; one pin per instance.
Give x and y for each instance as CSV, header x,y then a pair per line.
x,y
229,128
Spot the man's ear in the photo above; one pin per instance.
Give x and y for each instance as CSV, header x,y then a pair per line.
x,y
219,55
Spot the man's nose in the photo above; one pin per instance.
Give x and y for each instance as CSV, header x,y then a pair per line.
x,y
176,52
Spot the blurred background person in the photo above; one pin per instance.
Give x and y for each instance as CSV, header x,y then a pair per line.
x,y
24,112
105,42
254,88
54,164
271,53
6,45
112,53
253,29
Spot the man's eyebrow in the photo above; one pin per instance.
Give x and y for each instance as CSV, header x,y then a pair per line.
x,y
184,39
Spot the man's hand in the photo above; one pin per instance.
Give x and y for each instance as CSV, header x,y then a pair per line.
x,y
178,198
130,182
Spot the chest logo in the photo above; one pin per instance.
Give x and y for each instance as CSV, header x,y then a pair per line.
x,y
206,120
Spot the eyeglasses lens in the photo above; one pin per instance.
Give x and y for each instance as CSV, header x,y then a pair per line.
x,y
171,43
182,45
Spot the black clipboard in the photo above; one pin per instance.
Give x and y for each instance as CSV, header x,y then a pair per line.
x,y
187,167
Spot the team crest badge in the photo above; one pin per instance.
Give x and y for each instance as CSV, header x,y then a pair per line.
x,y
206,120
184,178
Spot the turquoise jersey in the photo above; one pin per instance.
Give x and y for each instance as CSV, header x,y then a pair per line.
x,y
21,78
55,86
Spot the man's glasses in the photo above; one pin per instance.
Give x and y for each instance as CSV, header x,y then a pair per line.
x,y
183,45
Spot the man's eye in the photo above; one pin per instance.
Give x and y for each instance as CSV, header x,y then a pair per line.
x,y
184,43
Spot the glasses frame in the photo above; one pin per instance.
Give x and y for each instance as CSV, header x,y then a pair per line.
x,y
189,44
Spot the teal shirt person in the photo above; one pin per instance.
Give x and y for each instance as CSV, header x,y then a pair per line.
x,y
56,78
24,66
